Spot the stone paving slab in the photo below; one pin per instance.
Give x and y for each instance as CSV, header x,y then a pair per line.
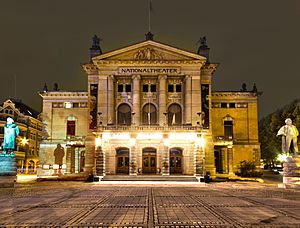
x,y
78,204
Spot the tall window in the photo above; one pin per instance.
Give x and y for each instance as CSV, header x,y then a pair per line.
x,y
124,114
174,114
149,116
71,127
228,129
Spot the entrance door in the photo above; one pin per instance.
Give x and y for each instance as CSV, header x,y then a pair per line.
x,y
175,161
219,159
149,160
122,160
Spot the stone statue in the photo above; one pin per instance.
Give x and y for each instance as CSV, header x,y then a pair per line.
x,y
59,154
289,134
11,130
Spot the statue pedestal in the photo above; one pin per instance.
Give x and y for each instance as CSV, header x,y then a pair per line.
x,y
8,171
291,173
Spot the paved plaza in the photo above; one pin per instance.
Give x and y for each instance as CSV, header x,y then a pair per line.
x,y
79,204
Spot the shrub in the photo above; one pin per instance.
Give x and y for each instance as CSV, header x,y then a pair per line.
x,y
248,169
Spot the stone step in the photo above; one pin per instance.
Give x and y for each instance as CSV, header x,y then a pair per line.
x,y
149,178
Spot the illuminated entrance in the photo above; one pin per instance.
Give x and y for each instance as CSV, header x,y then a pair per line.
x,y
149,160
175,161
122,160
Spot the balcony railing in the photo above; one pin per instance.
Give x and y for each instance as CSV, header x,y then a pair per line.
x,y
149,128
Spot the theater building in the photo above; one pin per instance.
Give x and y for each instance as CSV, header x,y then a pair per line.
x,y
149,108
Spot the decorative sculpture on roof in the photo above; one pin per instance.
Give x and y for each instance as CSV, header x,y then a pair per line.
x,y
11,130
147,54
289,134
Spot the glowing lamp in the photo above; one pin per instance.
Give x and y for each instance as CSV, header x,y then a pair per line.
x,y
132,142
98,142
201,142
24,141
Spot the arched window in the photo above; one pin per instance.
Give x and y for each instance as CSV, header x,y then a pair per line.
x,y
149,116
174,115
124,114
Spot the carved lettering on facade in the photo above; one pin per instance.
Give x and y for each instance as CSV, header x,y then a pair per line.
x,y
149,70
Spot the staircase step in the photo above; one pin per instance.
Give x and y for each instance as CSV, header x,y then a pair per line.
x,y
149,178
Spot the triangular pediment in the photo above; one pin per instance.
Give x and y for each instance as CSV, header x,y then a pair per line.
x,y
150,50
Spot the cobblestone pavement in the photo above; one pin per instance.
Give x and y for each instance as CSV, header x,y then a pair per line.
x,y
77,204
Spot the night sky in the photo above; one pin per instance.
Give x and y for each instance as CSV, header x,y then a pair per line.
x,y
254,41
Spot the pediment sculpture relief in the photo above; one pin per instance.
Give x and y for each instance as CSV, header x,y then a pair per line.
x,y
148,54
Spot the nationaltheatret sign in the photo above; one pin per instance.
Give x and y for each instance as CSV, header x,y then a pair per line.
x,y
149,70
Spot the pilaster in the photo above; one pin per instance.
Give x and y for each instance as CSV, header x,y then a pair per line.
x,y
162,99
136,100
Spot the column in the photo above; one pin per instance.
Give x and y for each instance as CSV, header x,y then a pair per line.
x,y
188,100
68,160
166,161
199,162
76,160
132,161
100,167
136,100
162,99
89,154
230,160
110,99
102,99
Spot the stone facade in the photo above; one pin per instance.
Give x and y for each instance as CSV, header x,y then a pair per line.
x,y
151,110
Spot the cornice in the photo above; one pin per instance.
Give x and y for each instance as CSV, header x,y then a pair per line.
x,y
233,94
63,94
149,62
90,68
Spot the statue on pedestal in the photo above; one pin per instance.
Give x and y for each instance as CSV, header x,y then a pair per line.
x,y
289,134
11,130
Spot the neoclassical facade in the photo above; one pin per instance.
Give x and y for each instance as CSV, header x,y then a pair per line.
x,y
149,109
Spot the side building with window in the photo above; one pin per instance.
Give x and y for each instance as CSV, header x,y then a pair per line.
x,y
27,144
149,109
65,124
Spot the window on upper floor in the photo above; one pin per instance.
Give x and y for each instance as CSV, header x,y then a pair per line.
x,y
174,88
124,114
71,125
127,88
228,129
178,88
149,88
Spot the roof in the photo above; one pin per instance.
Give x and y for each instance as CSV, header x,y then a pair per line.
x,y
23,108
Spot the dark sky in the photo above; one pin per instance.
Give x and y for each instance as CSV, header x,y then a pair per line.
x,y
254,41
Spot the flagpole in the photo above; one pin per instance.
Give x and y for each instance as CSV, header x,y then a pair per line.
x,y
149,16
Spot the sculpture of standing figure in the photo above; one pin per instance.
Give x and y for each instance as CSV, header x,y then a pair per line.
x,y
59,154
289,133
11,130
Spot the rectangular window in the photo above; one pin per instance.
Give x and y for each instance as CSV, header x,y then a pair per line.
x,y
120,88
223,105
153,88
127,88
71,127
170,88
231,105
145,88
76,105
178,88
228,129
